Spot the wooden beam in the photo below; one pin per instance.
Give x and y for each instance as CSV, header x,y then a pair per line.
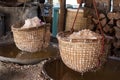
x,y
62,15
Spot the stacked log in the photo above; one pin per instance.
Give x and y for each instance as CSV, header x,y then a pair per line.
x,y
110,24
102,5
116,5
109,14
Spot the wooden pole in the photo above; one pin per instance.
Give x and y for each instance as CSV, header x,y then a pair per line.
x,y
62,15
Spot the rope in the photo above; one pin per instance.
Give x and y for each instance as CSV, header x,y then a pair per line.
x,y
102,33
103,37
24,6
42,12
72,29
45,31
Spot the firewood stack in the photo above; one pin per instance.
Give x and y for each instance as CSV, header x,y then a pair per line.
x,y
111,26
110,22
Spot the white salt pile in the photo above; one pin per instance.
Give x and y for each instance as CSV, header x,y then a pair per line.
x,y
85,34
33,22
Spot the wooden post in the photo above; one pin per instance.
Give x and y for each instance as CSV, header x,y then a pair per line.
x,y
62,15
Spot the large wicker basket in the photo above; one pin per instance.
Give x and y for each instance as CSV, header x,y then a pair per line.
x,y
80,55
31,39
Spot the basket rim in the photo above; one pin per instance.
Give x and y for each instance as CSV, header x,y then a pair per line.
x,y
31,28
75,10
64,38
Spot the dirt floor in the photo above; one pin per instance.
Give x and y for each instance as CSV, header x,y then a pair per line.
x,y
11,71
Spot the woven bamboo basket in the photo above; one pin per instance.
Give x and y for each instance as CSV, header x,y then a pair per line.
x,y
80,55
31,39
80,22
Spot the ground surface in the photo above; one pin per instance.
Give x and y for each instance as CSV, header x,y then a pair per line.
x,y
10,71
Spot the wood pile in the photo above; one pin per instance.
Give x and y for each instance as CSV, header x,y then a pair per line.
x,y
110,24
104,5
116,5
109,14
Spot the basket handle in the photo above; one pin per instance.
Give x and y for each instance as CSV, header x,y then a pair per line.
x,y
24,6
41,10
102,33
72,29
103,37
45,31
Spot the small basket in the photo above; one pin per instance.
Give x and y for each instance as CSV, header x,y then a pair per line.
x,y
31,39
80,54
81,21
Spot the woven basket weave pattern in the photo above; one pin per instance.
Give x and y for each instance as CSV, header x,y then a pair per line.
x,y
31,40
80,22
80,56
